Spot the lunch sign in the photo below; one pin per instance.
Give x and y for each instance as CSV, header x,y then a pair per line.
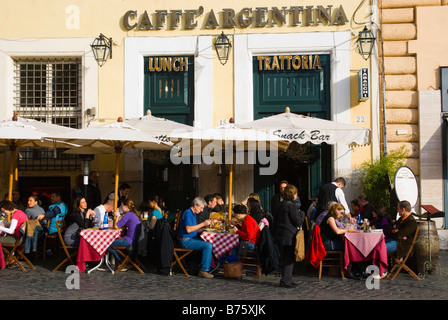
x,y
259,17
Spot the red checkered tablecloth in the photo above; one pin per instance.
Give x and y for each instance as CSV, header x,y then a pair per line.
x,y
100,240
222,242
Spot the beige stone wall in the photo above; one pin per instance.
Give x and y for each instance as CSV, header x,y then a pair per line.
x,y
412,57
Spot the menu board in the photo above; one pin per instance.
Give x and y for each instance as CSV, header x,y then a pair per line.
x,y
406,186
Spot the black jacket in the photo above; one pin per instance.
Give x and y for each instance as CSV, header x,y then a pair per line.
x,y
163,238
139,246
286,221
267,251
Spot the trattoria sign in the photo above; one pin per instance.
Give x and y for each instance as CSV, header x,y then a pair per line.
x,y
289,62
229,18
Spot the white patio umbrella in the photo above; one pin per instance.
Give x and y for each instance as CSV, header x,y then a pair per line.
x,y
160,128
22,132
229,138
118,135
302,129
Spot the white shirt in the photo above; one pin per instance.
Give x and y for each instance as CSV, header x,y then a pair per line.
x,y
100,211
11,228
340,196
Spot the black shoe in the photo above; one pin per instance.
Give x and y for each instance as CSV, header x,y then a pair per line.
x,y
288,285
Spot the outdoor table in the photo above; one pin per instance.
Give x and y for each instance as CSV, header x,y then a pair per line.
x,y
222,242
2,258
93,245
365,246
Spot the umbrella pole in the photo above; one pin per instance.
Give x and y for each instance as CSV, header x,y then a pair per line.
x,y
11,175
230,190
117,170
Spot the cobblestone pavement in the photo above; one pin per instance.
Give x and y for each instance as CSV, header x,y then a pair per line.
x,y
43,284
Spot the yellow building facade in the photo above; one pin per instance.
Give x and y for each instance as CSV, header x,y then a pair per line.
x,y
40,38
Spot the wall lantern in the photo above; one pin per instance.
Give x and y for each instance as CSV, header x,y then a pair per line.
x,y
102,49
222,46
366,40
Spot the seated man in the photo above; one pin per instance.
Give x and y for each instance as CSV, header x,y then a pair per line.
x,y
56,212
189,239
403,231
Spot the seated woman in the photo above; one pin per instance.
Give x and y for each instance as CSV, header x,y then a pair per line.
x,y
380,220
80,218
255,210
248,230
330,232
17,218
34,209
130,220
156,214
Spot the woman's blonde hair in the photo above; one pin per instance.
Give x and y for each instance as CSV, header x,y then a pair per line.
x,y
333,208
130,204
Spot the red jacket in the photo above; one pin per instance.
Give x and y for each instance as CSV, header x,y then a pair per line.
x,y
316,252
250,230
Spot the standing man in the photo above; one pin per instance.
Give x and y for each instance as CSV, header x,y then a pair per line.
x,y
93,195
188,235
332,192
211,202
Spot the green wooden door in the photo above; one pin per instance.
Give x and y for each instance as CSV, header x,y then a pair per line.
x,y
304,91
170,95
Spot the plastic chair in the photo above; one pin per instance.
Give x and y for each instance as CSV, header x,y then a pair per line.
x,y
401,263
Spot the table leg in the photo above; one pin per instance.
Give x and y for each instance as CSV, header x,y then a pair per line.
x,y
97,266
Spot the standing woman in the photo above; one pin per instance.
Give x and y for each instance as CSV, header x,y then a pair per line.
x,y
17,218
80,218
156,214
288,219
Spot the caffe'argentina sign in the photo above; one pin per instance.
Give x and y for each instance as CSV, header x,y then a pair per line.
x,y
229,18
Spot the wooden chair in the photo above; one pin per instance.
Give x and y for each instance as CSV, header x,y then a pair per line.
x,y
124,251
332,259
15,249
179,252
48,237
401,263
129,255
250,259
68,256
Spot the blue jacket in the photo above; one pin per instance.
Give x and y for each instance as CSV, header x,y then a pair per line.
x,y
56,212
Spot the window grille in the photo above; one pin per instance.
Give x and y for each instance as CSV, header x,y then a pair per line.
x,y
49,90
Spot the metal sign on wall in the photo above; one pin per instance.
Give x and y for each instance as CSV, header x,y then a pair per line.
x,y
363,84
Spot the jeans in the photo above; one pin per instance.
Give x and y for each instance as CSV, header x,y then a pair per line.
x,y
118,243
32,241
200,245
391,246
333,245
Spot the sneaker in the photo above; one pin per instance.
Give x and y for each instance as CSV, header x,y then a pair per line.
x,y
205,274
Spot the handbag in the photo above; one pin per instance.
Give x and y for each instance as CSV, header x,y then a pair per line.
x,y
233,270
300,245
